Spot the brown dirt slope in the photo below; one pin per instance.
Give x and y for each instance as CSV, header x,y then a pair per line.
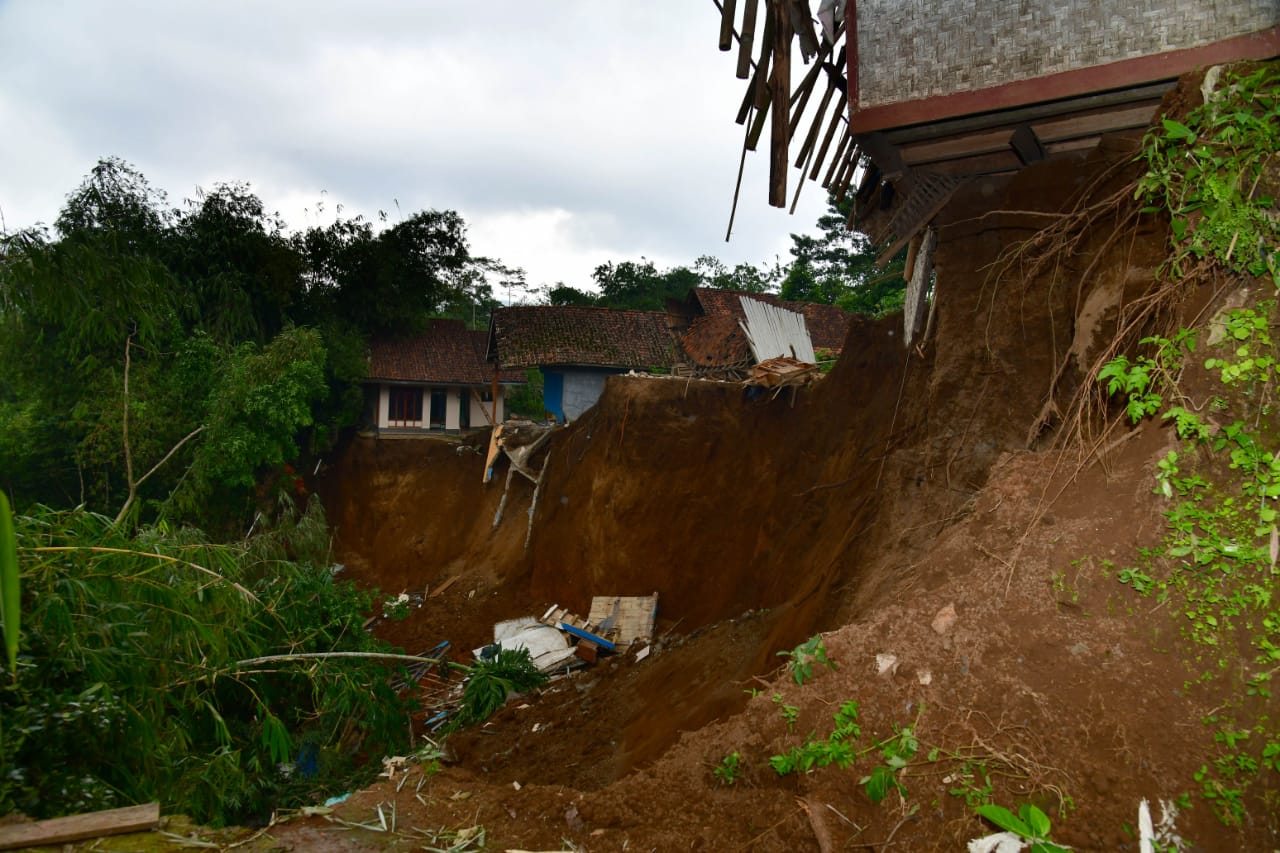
x,y
903,485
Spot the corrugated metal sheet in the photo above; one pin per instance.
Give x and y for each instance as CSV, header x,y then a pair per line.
x,y
774,332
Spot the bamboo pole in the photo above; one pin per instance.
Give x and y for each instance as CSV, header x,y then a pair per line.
x,y
745,40
726,24
811,138
799,186
780,133
802,94
240,664
737,187
764,72
757,127
837,160
826,143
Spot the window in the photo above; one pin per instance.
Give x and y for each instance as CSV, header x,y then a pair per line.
x,y
486,396
404,407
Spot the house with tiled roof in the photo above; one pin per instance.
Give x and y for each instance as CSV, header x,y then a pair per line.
x,y
707,325
577,348
436,380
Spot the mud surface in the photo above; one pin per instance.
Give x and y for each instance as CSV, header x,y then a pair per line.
x,y
906,486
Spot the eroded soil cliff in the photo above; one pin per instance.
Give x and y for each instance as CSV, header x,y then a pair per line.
x,y
906,486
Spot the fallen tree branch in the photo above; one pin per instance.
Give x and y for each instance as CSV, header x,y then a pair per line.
x,y
102,549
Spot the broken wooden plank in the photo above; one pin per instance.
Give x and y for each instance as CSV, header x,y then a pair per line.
x,y
587,650
450,582
61,830
757,127
851,166
838,160
800,98
492,456
764,67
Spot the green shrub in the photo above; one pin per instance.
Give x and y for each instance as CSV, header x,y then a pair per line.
x,y
137,675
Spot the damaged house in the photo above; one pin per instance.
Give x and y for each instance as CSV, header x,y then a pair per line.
x,y
577,348
709,325
904,101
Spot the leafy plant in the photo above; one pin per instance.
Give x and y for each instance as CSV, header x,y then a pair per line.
x,y
972,784
801,659
838,749
1206,173
1029,823
790,713
897,752
490,682
729,769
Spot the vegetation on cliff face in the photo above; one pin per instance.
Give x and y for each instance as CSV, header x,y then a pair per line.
x,y
1215,175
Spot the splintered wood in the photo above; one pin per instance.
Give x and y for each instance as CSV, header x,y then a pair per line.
x,y
781,372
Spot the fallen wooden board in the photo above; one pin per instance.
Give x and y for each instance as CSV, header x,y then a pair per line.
x,y
635,616
60,830
440,589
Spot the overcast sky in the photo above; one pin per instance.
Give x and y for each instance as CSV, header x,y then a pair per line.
x,y
566,133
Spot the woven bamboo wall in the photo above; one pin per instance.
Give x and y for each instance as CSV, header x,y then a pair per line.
x,y
911,49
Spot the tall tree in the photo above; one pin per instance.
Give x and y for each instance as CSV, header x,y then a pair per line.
x,y
234,258
838,267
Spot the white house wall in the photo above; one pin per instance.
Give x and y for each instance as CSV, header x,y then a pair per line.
x,y
384,405
581,390
482,412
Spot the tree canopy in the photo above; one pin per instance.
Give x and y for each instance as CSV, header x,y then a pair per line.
x,y
206,339
838,267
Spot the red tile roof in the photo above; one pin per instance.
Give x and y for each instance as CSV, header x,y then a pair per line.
x,y
535,335
445,353
717,341
827,324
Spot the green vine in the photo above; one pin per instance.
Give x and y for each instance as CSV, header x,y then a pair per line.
x,y
1215,175
1217,562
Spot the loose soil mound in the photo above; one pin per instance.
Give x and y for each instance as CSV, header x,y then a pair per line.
x,y
906,486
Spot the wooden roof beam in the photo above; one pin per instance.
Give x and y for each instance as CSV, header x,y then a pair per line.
x,y
1027,145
